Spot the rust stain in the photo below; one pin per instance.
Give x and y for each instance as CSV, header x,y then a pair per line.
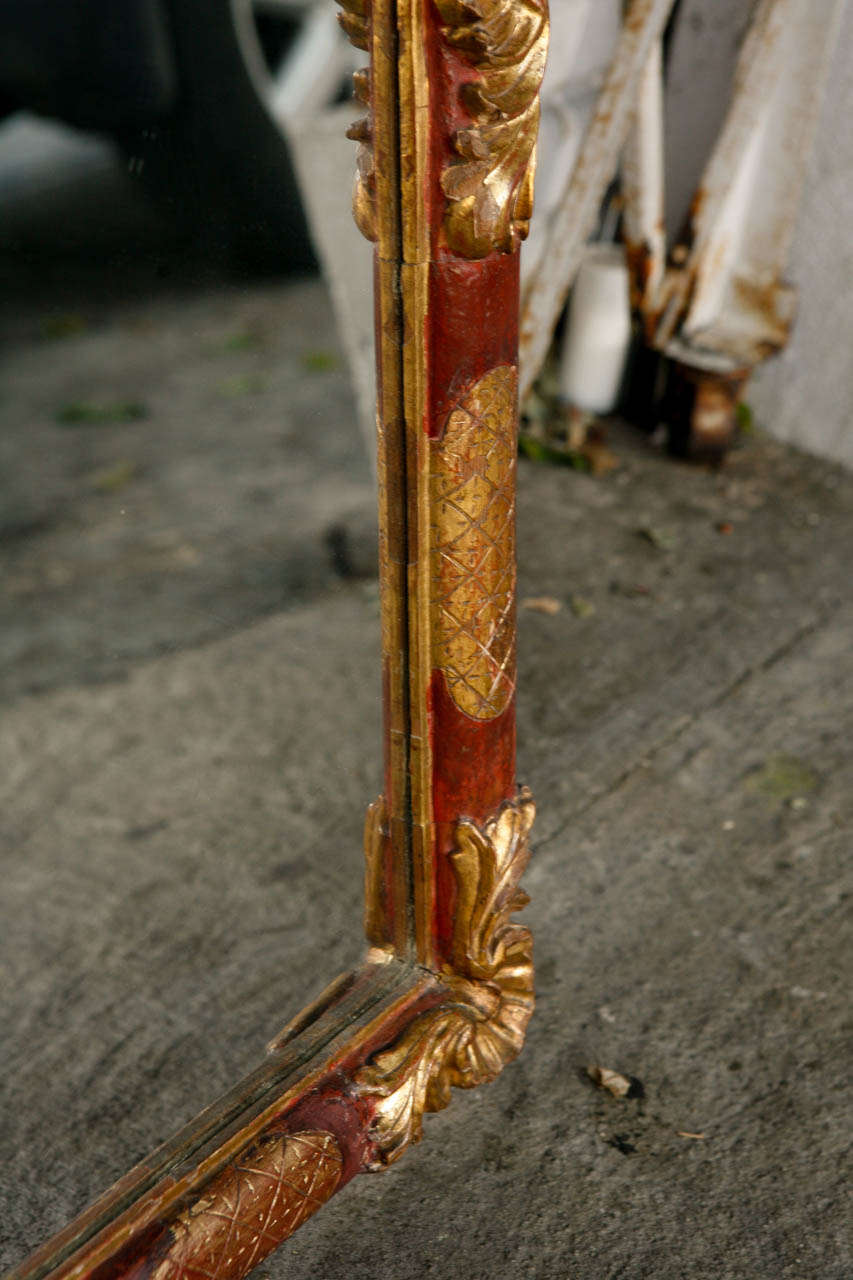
x,y
765,303
701,410
639,257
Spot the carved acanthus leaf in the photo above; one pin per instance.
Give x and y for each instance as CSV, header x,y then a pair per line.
x,y
490,188
355,21
471,1036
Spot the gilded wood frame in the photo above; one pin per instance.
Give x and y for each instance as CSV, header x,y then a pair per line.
x,y
444,188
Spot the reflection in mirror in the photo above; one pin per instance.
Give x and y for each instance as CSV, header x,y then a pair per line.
x,y
190,704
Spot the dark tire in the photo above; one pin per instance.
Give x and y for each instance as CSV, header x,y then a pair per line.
x,y
219,164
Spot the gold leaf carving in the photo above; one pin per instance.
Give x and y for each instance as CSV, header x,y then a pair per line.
x,y
468,1039
490,187
355,21
472,511
252,1206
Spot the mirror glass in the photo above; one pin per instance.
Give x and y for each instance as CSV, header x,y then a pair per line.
x,y
189,684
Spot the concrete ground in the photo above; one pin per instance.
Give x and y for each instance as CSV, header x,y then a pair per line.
x,y
190,735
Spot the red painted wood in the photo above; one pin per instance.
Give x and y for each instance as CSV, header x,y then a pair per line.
x,y
473,773
471,327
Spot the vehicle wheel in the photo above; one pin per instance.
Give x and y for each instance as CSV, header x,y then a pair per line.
x,y
221,162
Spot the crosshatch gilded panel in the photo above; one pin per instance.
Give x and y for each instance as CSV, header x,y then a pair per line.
x,y
472,510
252,1207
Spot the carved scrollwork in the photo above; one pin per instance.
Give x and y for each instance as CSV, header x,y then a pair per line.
x,y
355,20
490,188
480,1027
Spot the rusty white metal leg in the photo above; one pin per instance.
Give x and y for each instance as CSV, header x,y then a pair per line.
x,y
643,227
576,212
723,305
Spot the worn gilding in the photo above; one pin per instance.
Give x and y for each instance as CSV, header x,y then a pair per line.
x,y
472,512
250,1208
468,1039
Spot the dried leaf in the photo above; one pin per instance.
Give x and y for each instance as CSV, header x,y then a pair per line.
x,y
65,325
630,589
783,777
81,413
111,479
601,459
577,427
621,1143
241,340
319,361
744,417
582,608
243,384
661,539
538,450
536,408
542,604
614,1082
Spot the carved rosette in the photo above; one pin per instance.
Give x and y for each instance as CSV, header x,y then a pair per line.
x,y
490,187
355,21
473,1034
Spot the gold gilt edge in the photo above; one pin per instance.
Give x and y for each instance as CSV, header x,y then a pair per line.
x,y
481,1025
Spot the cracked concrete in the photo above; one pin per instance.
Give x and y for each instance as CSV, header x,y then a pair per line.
x,y
188,744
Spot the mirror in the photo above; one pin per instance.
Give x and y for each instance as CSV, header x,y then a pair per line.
x,y
185,755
